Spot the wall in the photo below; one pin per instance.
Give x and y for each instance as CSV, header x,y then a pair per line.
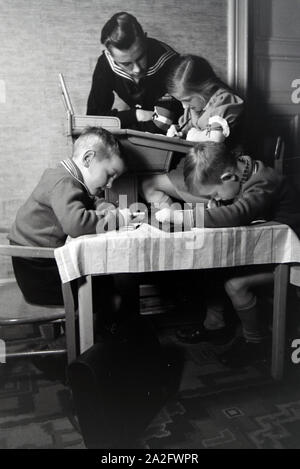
x,y
40,38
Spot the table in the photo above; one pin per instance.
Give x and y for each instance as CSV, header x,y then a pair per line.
x,y
149,249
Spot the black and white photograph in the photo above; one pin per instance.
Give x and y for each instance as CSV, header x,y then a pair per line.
x,y
149,228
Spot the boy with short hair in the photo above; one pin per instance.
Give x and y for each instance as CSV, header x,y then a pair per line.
x,y
65,203
241,190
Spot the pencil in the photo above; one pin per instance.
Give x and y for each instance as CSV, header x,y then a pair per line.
x,y
183,126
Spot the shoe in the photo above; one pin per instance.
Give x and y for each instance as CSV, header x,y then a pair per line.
x,y
214,319
242,353
194,335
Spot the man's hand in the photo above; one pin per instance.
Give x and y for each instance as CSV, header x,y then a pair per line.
x,y
173,132
143,116
167,215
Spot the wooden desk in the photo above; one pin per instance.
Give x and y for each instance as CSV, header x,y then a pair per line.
x,y
144,154
148,249
295,275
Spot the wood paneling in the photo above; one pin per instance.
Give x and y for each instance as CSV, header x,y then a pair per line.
x,y
275,64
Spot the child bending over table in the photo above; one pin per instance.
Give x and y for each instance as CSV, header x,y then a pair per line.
x,y
65,203
251,191
212,112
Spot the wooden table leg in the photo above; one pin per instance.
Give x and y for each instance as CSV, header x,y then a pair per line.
x,y
85,311
281,280
70,321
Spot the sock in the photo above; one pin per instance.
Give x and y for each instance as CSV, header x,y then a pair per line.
x,y
214,319
253,330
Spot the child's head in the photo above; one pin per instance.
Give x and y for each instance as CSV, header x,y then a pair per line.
x,y
211,170
96,153
192,81
125,40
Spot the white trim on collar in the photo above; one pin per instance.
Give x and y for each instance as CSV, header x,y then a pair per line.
x,y
115,68
151,71
71,167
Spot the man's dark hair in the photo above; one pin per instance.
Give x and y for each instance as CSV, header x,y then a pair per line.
x,y
121,31
205,164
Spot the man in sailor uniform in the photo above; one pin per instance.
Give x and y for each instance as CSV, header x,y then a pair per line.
x,y
134,67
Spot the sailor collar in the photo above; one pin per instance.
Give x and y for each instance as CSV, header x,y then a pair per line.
x,y
73,169
152,70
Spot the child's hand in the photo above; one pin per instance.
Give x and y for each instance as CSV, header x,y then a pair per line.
x,y
127,217
195,135
167,215
172,131
213,203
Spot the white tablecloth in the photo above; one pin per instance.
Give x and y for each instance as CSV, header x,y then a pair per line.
x,y
148,249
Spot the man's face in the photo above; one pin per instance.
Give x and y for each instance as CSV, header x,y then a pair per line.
x,y
102,172
133,60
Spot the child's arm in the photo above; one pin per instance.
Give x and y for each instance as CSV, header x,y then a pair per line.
x,y
101,97
124,216
181,129
196,135
217,121
253,204
75,212
173,131
239,213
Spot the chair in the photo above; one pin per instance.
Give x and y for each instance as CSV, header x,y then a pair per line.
x,y
273,149
279,155
16,311
76,122
281,281
273,155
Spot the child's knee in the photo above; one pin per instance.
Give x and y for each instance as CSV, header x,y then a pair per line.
x,y
235,287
